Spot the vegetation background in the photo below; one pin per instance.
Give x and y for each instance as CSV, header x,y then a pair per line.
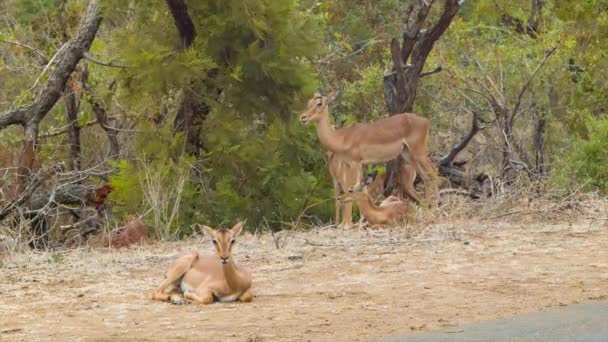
x,y
202,126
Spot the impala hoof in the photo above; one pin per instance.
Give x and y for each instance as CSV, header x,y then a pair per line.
x,y
178,301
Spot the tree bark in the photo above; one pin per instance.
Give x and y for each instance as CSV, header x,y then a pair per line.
x,y
400,87
30,116
111,132
183,22
71,111
68,56
193,110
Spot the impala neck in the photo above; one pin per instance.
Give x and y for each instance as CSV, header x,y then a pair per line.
x,y
367,206
233,275
328,137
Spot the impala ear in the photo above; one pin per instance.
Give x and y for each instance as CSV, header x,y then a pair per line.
x,y
331,97
371,177
237,228
206,230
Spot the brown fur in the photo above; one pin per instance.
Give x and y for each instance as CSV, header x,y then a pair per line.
x,y
133,232
205,278
403,134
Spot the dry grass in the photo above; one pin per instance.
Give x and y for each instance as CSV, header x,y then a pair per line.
x,y
325,283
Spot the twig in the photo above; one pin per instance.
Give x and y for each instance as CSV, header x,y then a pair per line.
x,y
96,61
48,65
65,129
527,84
42,56
434,71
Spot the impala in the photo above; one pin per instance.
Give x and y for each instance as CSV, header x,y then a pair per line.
x,y
205,278
391,211
344,176
403,134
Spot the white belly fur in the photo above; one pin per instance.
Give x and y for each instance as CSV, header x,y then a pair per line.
x,y
232,298
186,288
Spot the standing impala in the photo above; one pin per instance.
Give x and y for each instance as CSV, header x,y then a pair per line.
x,y
376,142
205,278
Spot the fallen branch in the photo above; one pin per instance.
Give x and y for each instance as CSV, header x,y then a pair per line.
x,y
29,190
461,192
475,128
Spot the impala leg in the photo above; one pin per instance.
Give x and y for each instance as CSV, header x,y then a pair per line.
x,y
200,296
407,180
338,204
348,214
428,173
176,271
247,296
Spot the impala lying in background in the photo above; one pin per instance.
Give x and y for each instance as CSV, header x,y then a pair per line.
x,y
205,278
377,142
392,211
344,177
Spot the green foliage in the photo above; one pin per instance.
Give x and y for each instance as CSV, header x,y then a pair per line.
x,y
584,164
255,62
268,174
362,101
156,184
28,10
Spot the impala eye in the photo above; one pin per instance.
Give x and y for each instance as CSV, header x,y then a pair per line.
x,y
233,241
320,103
215,242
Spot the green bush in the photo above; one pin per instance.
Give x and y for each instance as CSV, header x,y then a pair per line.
x,y
586,164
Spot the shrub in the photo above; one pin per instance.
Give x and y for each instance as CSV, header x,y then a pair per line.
x,y
586,163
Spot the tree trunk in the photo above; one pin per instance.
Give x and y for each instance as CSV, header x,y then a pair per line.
x,y
71,111
190,117
401,85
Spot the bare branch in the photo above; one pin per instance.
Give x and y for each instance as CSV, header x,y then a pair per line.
x,y
65,129
48,65
434,71
43,58
475,127
111,132
411,32
107,64
527,84
67,58
449,11
28,191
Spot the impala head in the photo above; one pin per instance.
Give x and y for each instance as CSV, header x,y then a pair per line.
x,y
317,106
359,190
223,239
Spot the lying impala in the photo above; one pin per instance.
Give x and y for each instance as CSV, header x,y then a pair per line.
x,y
392,211
205,278
377,142
344,176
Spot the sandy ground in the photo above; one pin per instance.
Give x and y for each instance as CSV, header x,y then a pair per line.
x,y
325,284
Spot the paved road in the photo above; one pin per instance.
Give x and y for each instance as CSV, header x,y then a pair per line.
x,y
579,322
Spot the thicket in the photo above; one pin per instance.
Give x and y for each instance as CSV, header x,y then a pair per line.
x,y
205,108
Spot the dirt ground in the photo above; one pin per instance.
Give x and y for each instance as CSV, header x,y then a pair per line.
x,y
325,284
